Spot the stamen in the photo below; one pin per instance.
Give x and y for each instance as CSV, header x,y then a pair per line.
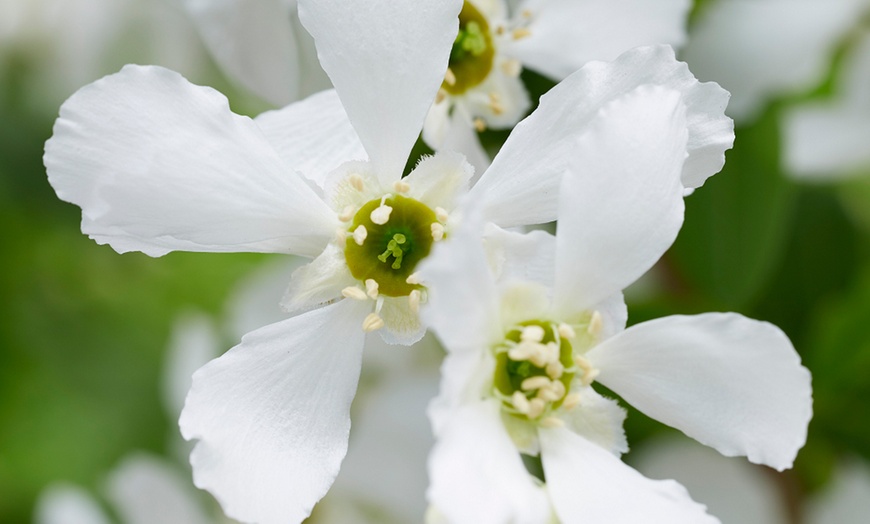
x,y
360,234
340,236
537,382
414,301
589,372
372,288
522,351
566,331
372,322
571,401
495,103
354,293
551,352
381,214
595,324
536,408
520,33
401,186
413,279
555,370
357,182
437,231
347,214
479,125
558,389
450,77
441,215
539,356
552,422
394,250
532,334
520,402
548,394
512,67
440,96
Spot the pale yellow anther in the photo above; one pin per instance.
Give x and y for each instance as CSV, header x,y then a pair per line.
x,y
548,395
532,334
356,181
347,214
558,389
437,231
536,408
413,279
372,322
340,236
480,124
360,234
414,300
401,186
523,351
555,370
533,383
450,77
590,377
354,293
595,324
441,215
512,67
520,33
381,214
571,401
552,422
551,352
589,372
372,288
495,103
520,402
539,356
566,331
440,96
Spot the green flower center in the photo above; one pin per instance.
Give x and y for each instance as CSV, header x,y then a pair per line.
x,y
472,55
389,237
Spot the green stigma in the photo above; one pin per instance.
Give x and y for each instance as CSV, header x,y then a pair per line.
x,y
472,55
394,250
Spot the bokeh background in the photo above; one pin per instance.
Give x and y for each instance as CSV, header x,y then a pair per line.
x,y
84,331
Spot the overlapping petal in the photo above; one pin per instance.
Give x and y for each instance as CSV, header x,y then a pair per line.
x,y
387,60
272,414
731,383
158,164
622,209
588,484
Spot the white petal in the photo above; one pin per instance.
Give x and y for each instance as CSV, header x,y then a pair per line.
x,y
401,324
823,142
588,484
509,91
443,131
466,377
761,49
522,185
440,180
313,136
621,203
272,414
254,42
733,489
566,34
67,504
731,383
462,307
526,257
146,490
158,164
387,61
597,419
845,499
477,475
193,342
318,282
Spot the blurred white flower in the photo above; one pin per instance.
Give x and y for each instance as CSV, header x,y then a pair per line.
x,y
525,349
482,88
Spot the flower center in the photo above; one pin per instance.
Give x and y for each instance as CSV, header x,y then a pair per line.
x,y
472,55
389,236
534,368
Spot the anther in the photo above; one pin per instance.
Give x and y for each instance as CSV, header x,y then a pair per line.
x,y
441,215
566,331
401,186
440,96
558,389
414,301
512,67
495,103
413,279
450,77
360,234
552,422
372,322
372,288
347,214
520,402
533,383
354,293
480,124
381,214
595,324
340,236
571,401
536,407
357,182
555,370
437,231
532,334
520,33
522,351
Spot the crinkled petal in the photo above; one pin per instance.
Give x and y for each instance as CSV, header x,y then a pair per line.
x,y
147,490
254,42
597,419
521,186
272,414
158,164
462,303
318,282
566,34
731,383
440,180
761,49
588,484
62,503
621,203
314,135
477,476
526,257
387,61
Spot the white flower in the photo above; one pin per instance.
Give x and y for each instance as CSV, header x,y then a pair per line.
x,y
482,88
526,348
760,49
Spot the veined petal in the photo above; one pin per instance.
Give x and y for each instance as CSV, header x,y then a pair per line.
x,y
566,34
731,383
760,49
158,164
588,484
272,414
621,202
67,504
313,136
476,473
387,60
254,42
146,490
521,186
